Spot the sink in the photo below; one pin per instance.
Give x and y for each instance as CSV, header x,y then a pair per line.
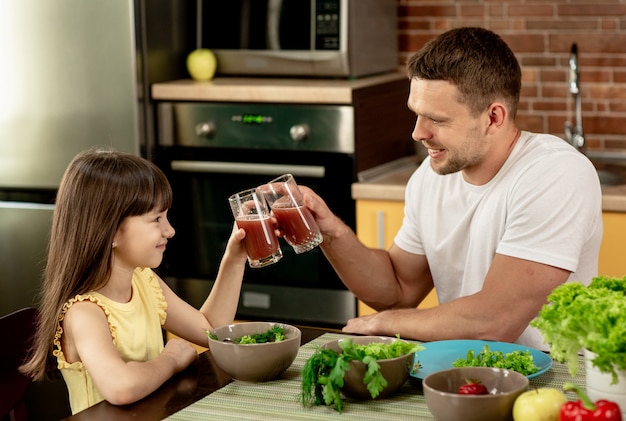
x,y
610,178
611,167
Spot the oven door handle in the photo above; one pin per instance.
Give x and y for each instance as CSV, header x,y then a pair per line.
x,y
313,171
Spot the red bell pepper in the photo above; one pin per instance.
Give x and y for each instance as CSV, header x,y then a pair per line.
x,y
586,410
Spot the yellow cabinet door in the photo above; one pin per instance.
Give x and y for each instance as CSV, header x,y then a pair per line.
x,y
612,260
377,222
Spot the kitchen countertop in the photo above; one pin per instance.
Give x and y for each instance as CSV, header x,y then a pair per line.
x,y
388,182
254,89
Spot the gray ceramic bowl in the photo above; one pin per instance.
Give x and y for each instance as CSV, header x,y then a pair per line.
x,y
443,401
394,370
254,362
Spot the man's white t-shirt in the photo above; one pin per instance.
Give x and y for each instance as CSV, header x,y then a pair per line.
x,y
544,205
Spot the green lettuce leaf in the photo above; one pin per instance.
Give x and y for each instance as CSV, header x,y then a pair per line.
x,y
587,317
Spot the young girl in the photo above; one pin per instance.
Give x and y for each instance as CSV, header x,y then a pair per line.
x,y
103,308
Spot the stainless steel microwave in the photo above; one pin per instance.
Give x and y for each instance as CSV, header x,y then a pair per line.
x,y
325,38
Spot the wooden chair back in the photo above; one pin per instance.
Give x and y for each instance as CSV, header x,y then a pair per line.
x,y
17,329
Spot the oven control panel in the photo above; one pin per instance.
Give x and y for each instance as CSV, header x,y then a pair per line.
x,y
257,126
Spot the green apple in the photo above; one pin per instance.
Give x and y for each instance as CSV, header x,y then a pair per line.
x,y
201,64
543,404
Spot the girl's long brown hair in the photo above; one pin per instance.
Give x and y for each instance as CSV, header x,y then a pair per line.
x,y
99,189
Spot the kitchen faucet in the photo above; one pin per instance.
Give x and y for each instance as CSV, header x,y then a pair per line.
x,y
574,133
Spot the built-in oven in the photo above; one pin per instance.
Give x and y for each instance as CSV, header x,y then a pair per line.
x,y
212,150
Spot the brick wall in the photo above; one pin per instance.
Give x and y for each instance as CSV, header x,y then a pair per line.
x,y
541,34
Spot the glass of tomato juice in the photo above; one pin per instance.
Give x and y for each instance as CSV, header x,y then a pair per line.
x,y
253,215
298,225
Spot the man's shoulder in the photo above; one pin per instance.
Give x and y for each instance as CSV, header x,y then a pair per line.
x,y
550,151
547,145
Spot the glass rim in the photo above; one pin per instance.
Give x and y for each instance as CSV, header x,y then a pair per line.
x,y
246,192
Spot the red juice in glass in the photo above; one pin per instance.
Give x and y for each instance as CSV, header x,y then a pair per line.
x,y
261,243
299,227
296,222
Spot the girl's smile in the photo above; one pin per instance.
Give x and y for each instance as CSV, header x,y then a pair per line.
x,y
139,236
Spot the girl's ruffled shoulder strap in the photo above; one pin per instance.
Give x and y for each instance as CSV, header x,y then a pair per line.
x,y
58,352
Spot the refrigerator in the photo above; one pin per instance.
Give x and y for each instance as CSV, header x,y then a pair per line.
x,y
73,74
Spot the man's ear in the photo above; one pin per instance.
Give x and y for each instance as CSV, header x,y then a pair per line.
x,y
497,114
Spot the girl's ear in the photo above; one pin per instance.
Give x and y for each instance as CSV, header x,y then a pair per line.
x,y
116,241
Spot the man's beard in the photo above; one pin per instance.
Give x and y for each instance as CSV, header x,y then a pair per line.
x,y
469,154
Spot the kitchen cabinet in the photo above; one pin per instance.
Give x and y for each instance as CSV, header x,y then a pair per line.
x,y
612,260
377,222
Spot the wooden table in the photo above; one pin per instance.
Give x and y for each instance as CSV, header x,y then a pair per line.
x,y
203,391
199,380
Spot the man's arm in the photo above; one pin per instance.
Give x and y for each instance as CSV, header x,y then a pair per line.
x,y
513,293
371,274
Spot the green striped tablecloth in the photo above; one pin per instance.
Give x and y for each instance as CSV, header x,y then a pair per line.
x,y
278,399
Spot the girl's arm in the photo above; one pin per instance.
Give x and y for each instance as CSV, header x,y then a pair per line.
x,y
87,338
220,306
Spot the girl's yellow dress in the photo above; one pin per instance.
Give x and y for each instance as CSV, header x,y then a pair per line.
x,y
135,329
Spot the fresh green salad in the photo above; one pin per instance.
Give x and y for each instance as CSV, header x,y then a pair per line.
x,y
591,317
520,361
323,373
275,334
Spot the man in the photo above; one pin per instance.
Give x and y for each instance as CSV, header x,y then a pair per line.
x,y
495,217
